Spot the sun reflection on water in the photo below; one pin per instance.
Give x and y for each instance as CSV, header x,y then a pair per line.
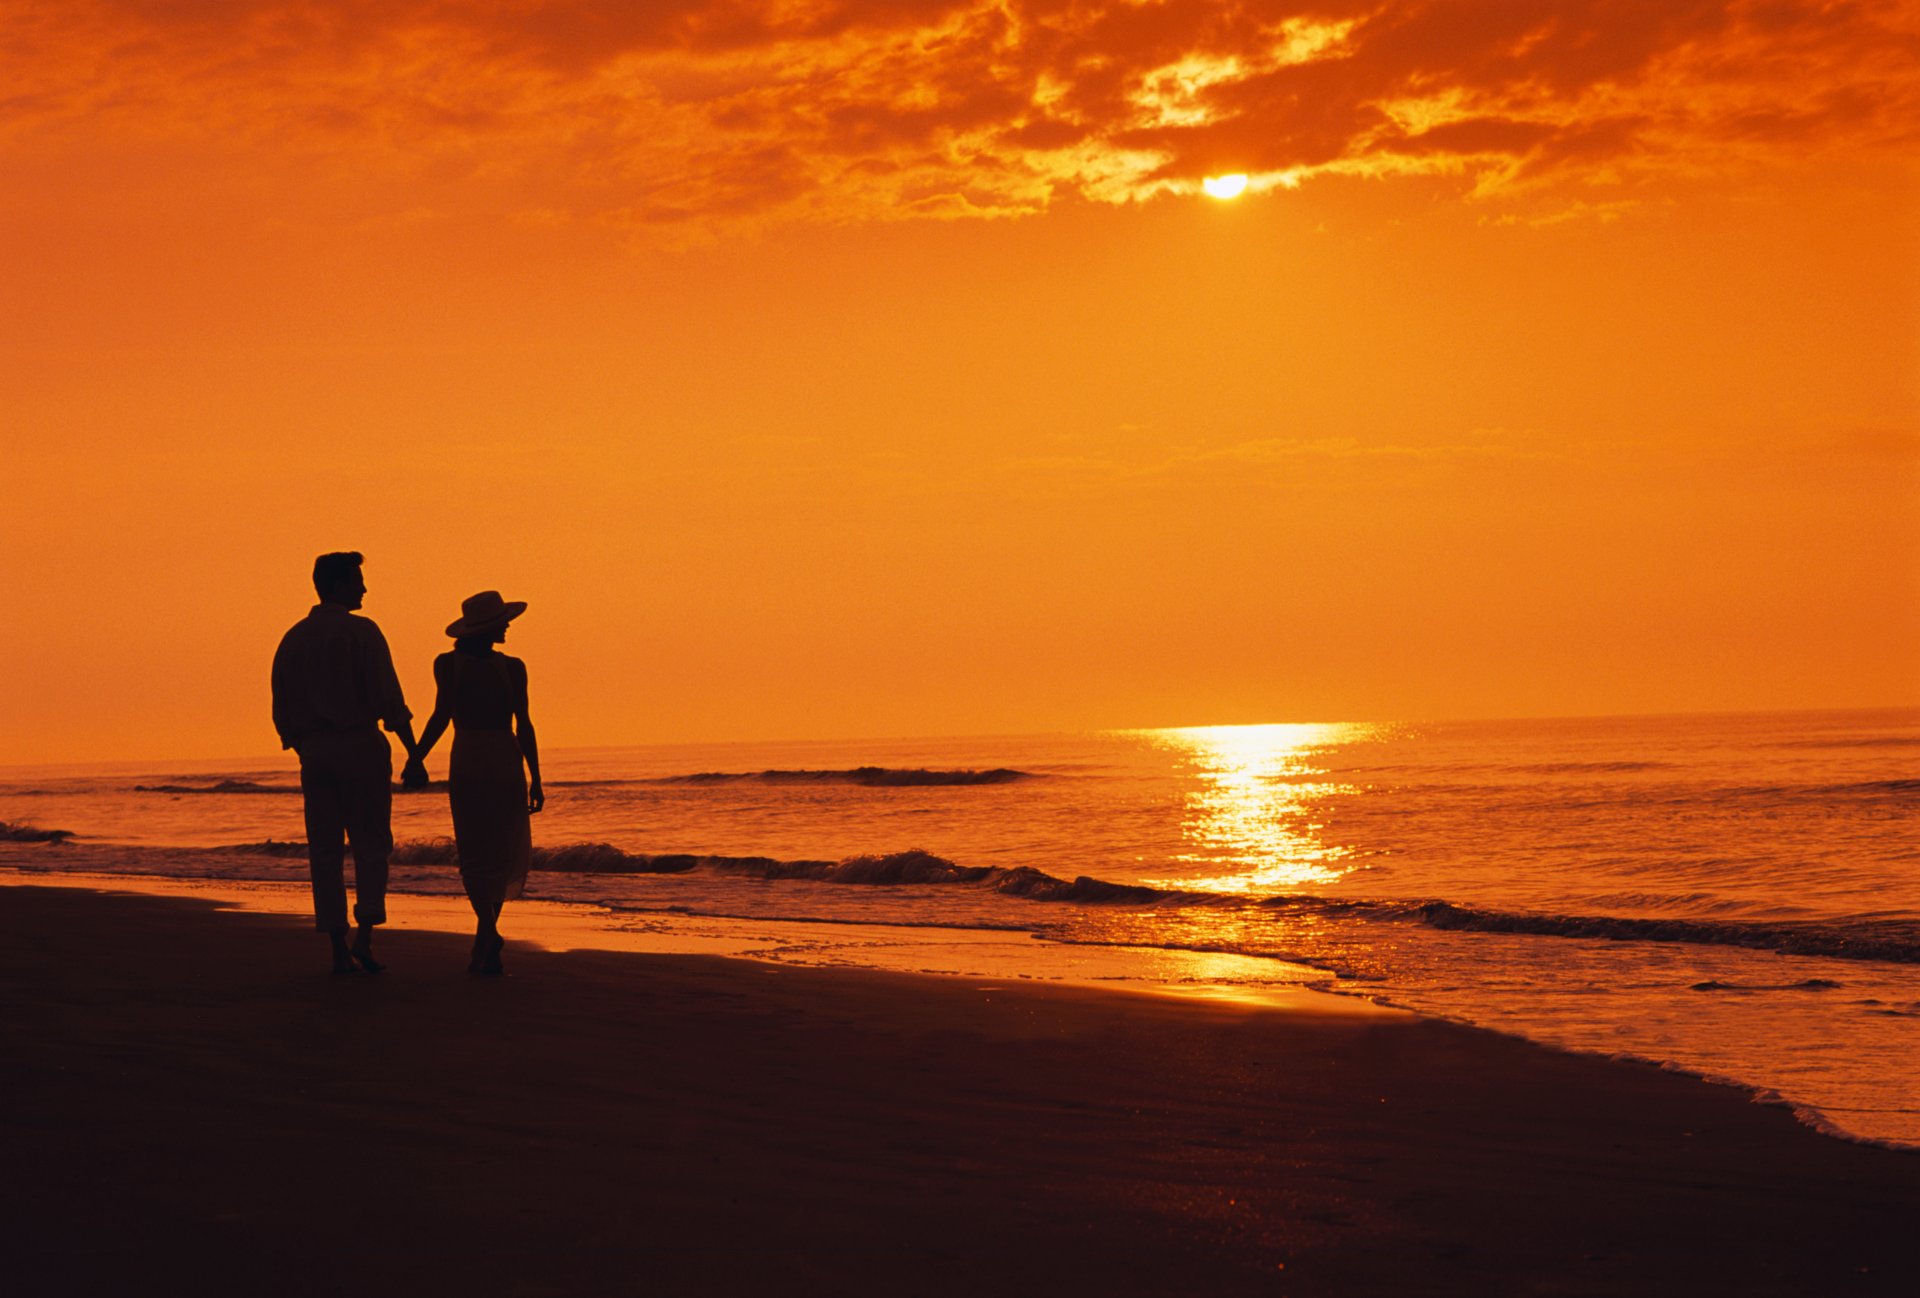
x,y
1258,808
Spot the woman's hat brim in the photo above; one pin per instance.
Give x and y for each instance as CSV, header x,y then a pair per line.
x,y
512,609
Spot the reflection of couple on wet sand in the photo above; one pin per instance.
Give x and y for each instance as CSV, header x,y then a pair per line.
x,y
334,686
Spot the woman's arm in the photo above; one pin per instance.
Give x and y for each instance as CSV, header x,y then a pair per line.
x,y
529,745
442,709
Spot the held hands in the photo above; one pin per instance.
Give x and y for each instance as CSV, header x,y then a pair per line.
x,y
414,774
536,798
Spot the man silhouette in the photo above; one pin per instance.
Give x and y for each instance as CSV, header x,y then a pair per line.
x,y
333,686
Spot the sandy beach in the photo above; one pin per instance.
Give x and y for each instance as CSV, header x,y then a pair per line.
x,y
195,1105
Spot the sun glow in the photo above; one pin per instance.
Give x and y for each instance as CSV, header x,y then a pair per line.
x,y
1225,187
1258,804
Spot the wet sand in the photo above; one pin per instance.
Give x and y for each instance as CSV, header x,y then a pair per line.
x,y
193,1104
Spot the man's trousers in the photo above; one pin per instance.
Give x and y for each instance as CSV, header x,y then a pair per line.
x,y
347,779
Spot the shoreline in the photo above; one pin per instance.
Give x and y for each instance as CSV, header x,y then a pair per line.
x,y
192,1087
961,951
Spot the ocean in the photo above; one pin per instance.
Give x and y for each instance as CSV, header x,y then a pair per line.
x,y
1736,896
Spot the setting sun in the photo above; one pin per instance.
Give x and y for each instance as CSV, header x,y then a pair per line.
x,y
1225,186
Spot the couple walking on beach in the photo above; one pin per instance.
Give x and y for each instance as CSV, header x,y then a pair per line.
x,y
334,686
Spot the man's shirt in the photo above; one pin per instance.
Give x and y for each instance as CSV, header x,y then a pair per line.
x,y
333,671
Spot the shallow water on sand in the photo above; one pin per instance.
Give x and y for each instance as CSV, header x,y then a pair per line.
x,y
1733,895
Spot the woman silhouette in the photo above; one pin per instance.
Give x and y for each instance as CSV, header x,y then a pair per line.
x,y
484,695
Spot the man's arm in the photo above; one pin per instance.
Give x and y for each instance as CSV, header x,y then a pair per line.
x,y
404,728
389,704
282,686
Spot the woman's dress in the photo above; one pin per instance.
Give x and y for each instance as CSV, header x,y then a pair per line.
x,y
486,778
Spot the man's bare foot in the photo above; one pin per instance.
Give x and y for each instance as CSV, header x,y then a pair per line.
x,y
342,957
363,953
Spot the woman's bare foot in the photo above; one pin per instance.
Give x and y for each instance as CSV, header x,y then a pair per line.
x,y
485,945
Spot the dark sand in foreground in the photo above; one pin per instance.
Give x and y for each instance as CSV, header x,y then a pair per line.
x,y
193,1105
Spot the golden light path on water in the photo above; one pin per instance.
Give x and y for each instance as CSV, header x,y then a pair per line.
x,y
1259,804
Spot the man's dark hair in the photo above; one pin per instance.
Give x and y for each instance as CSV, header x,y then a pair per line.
x,y
329,570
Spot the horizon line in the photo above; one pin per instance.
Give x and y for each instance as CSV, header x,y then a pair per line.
x,y
1036,734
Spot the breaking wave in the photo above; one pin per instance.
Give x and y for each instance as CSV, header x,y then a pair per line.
x,y
875,777
1804,985
1891,940
918,867
893,868
276,847
910,867
870,776
12,833
567,858
224,786
1896,941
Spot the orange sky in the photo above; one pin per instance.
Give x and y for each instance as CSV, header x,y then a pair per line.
x,y
868,368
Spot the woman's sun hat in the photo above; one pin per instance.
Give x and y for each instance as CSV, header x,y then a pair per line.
x,y
485,612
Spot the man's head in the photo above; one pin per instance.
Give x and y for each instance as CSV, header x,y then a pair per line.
x,y
337,580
